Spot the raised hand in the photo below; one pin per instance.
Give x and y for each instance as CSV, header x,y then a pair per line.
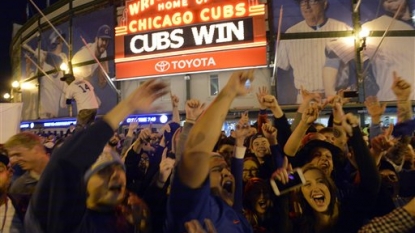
x,y
166,166
236,83
193,109
133,125
349,121
401,88
174,100
311,114
143,97
374,107
339,98
242,129
269,101
383,142
309,96
262,91
281,174
145,135
270,132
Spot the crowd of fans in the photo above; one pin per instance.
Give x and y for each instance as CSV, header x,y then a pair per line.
x,y
194,178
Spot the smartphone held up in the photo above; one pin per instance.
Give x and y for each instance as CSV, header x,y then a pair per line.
x,y
295,180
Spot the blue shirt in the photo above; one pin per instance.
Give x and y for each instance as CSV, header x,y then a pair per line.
x,y
186,204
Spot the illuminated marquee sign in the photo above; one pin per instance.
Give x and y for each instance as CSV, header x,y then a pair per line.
x,y
155,119
159,37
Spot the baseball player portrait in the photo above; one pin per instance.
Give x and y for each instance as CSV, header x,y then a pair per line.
x,y
99,49
381,59
51,88
306,57
93,38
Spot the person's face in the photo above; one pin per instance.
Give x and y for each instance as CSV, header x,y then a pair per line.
x,y
322,158
5,178
222,183
154,138
260,146
329,137
313,11
144,161
106,188
25,157
114,140
392,6
316,191
102,44
250,170
262,204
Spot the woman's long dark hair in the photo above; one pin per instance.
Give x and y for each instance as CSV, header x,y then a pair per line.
x,y
308,220
253,190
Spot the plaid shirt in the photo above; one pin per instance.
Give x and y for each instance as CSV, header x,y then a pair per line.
x,y
397,221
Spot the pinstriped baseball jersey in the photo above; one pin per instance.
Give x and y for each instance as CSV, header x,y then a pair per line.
x,y
307,56
394,54
83,93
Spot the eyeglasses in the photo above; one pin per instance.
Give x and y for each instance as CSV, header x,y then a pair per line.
x,y
309,2
250,171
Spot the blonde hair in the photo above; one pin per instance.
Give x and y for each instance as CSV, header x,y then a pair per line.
x,y
25,139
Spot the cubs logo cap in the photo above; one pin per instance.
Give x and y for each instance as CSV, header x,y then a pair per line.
x,y
104,32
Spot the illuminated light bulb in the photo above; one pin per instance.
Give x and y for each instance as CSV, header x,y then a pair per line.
x,y
364,33
64,67
15,84
6,96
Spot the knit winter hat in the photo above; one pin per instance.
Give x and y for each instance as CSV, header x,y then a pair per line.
x,y
106,159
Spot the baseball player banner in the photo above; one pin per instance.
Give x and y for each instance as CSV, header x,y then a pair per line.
x,y
324,64
98,30
43,58
302,56
382,57
394,53
29,64
53,55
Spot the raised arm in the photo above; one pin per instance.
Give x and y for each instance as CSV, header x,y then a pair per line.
x,y
193,110
402,90
194,166
308,97
63,176
129,138
175,108
294,141
375,109
241,132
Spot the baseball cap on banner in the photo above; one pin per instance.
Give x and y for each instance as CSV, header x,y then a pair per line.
x,y
104,32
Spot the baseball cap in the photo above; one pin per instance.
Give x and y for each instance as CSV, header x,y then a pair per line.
x,y
107,158
104,32
67,76
54,36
